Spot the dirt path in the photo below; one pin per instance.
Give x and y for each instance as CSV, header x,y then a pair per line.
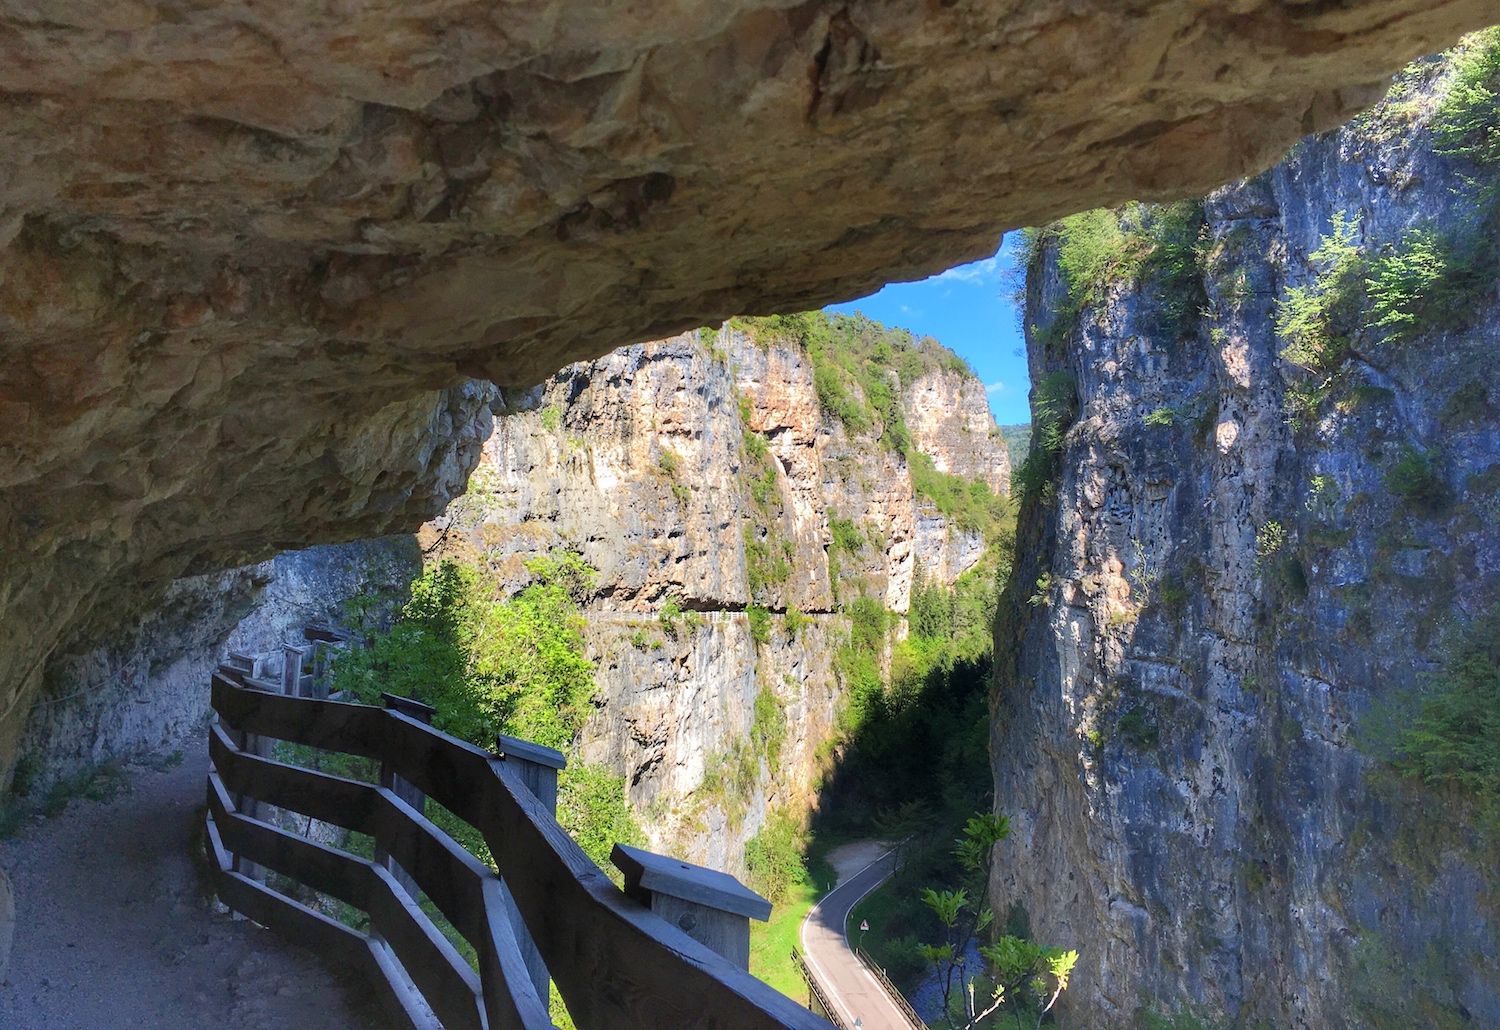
x,y
861,867
115,928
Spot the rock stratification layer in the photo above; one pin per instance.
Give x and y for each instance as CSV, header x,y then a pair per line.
x,y
1239,588
701,478
244,243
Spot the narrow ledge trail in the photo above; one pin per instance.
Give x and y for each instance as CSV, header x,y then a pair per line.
x,y
116,927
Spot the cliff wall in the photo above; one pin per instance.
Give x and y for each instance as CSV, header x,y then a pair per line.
x,y
243,247
702,478
1239,574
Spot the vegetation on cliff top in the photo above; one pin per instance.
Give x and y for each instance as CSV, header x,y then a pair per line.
x,y
1428,280
1161,247
860,367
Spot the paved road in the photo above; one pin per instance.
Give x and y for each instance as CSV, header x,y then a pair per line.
x,y
849,985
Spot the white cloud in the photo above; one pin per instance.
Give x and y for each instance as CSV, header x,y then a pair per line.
x,y
996,387
988,270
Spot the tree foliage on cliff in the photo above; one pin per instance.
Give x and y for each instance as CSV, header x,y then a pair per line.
x,y
491,665
1467,124
1454,738
860,367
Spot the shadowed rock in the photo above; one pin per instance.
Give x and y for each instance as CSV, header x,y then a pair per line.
x,y
244,245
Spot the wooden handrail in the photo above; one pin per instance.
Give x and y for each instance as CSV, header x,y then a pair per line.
x,y
614,962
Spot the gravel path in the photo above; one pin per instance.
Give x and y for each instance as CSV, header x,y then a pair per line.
x,y
115,928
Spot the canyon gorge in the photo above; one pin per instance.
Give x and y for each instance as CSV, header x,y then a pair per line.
x,y
293,316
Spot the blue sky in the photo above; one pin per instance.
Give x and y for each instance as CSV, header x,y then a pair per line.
x,y
969,309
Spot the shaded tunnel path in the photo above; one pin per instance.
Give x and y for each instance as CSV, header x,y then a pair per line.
x,y
115,927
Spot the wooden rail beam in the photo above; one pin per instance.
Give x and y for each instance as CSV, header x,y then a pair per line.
x,y
616,963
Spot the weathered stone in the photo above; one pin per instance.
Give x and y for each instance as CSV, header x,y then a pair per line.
x,y
639,461
7,922
1190,743
244,244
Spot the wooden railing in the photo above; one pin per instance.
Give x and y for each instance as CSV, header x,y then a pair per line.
x,y
890,988
615,963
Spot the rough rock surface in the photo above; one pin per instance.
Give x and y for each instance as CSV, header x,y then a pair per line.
x,y
244,243
147,689
640,460
1224,606
7,922
948,414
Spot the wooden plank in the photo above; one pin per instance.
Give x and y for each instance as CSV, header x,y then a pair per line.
x,y
615,963
399,989
325,797
662,874
328,870
441,867
445,979
331,725
591,934
511,1000
308,927
408,792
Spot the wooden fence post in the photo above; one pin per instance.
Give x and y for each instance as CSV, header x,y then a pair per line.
x,y
535,768
291,670
254,744
711,907
403,789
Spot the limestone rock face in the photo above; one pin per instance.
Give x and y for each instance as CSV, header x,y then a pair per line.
x,y
7,922
1226,609
243,244
950,421
645,462
147,689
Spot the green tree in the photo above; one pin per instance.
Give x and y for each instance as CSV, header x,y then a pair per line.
x,y
489,665
1019,975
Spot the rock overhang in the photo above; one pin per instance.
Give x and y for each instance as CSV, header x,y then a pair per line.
x,y
250,251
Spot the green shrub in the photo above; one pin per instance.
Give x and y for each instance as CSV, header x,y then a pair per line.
x,y
969,504
1454,738
1467,123
1053,406
551,418
794,622
591,806
490,665
774,857
1161,417
1318,320
766,564
1270,539
768,729
845,535
1138,730
760,624
1416,480
1427,281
